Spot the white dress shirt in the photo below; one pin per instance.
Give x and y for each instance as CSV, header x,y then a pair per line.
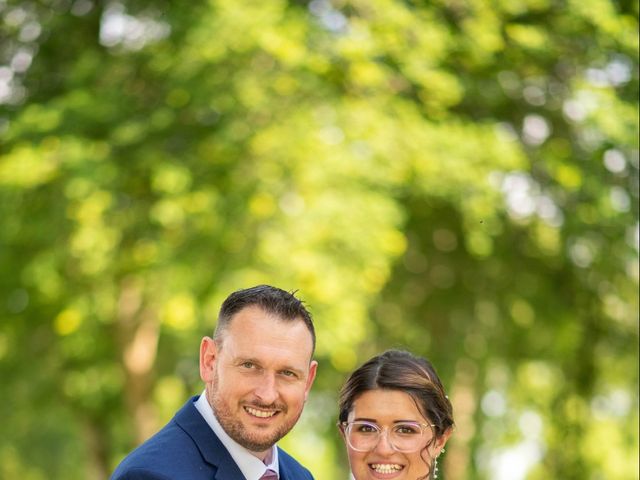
x,y
250,465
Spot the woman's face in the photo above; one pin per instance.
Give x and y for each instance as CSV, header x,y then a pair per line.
x,y
387,409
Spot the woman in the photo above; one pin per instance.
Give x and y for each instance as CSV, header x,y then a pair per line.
x,y
395,418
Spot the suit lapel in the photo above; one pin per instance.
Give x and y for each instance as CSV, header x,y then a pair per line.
x,y
211,448
283,466
290,469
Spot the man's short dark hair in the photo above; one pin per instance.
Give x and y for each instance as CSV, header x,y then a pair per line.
x,y
274,301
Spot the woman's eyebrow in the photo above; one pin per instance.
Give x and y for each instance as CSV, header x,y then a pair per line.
x,y
362,419
373,420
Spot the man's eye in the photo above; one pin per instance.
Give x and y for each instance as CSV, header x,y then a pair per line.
x,y
248,365
289,373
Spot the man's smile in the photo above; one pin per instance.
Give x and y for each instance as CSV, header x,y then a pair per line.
x,y
260,413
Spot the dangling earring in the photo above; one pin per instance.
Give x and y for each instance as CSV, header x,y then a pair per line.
x,y
435,465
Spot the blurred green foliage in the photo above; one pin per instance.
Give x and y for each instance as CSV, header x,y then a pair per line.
x,y
455,178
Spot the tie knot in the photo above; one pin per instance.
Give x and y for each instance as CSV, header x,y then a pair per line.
x,y
269,475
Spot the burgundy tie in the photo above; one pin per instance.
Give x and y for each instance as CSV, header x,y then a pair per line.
x,y
269,475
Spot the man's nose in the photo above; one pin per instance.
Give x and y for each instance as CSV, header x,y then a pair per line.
x,y
266,389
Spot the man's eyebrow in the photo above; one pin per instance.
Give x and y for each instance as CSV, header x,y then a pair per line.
x,y
241,359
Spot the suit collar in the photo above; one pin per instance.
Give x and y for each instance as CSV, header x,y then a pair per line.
x,y
283,470
211,449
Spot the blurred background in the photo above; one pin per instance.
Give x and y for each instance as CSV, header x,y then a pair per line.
x,y
457,178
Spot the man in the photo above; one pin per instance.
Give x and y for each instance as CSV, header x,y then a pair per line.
x,y
258,372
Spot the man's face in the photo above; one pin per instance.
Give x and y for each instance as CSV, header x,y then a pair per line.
x,y
259,377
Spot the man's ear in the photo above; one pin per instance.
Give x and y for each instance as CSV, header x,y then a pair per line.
x,y
312,375
208,357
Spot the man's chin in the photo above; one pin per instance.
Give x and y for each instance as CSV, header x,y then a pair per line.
x,y
257,438
254,434
256,443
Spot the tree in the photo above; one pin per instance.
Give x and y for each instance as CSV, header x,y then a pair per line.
x,y
456,178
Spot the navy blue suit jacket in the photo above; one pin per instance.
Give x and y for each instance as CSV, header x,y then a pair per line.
x,y
187,449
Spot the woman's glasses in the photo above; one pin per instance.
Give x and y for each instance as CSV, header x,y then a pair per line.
x,y
403,437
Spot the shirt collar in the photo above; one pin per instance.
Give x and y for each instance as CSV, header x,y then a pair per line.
x,y
250,466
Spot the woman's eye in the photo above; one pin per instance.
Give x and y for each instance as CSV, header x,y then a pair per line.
x,y
366,429
407,429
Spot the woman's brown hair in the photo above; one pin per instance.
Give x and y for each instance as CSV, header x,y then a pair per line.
x,y
402,371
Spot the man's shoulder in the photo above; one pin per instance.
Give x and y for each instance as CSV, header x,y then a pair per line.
x,y
139,473
290,468
162,453
171,453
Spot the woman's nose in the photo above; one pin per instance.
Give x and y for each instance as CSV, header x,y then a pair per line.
x,y
384,445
